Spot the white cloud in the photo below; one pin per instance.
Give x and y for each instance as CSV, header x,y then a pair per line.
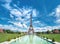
x,y
58,21
0,25
39,23
10,27
15,12
16,23
23,12
19,24
27,11
11,16
46,28
19,19
35,13
28,16
51,14
56,27
7,4
36,29
19,12
56,13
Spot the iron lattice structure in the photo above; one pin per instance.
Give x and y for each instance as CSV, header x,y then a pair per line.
x,y
31,30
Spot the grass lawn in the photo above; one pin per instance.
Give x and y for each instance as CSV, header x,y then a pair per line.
x,y
51,36
5,36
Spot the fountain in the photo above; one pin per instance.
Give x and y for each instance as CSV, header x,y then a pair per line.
x,y
30,39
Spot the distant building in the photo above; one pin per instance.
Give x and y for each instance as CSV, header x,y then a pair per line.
x,y
1,30
56,31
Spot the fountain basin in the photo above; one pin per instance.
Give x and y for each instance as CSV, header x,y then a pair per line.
x,y
30,39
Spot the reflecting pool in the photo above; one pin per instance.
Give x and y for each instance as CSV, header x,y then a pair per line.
x,y
30,39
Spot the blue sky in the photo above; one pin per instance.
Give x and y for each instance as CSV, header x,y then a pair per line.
x,y
15,14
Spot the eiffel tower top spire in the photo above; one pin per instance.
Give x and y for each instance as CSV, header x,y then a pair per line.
x,y
31,20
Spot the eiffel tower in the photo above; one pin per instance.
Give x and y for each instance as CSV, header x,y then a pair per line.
x,y
31,30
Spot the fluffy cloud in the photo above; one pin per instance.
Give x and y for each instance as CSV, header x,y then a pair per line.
x,y
22,14
35,13
43,29
40,24
58,21
19,24
11,27
15,12
7,4
56,13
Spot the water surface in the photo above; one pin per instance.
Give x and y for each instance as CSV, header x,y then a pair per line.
x,y
30,39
